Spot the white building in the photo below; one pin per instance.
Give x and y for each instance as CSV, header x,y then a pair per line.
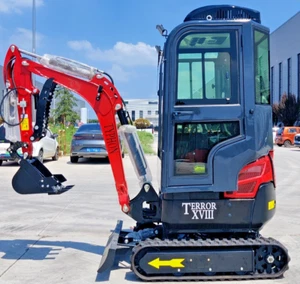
x,y
285,59
143,108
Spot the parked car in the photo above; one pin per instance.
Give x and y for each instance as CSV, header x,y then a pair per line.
x,y
46,148
297,140
88,142
285,135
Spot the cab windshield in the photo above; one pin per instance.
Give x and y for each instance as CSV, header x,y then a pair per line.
x,y
207,69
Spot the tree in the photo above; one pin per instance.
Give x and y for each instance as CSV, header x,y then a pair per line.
x,y
142,123
287,111
64,111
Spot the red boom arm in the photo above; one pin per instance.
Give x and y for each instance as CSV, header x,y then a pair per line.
x,y
99,92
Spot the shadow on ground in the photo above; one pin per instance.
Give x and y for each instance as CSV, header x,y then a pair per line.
x,y
91,161
31,249
20,249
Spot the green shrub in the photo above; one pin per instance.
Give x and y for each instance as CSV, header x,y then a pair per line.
x,y
142,123
64,138
147,140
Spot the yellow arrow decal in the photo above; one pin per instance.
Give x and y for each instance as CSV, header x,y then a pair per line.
x,y
175,263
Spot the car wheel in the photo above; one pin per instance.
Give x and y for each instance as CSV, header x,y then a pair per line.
x,y
74,159
40,157
56,155
1,162
287,143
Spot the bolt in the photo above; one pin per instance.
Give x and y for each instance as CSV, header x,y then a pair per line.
x,y
42,180
125,208
156,232
242,268
178,270
118,106
98,76
36,127
47,185
31,138
208,259
126,241
146,187
210,269
229,215
25,63
270,258
191,259
42,185
12,48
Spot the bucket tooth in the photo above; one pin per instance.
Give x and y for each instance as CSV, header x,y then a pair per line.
x,y
33,177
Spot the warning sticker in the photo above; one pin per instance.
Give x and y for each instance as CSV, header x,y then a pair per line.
x,y
271,204
25,124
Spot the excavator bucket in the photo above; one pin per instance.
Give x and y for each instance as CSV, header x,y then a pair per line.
x,y
33,177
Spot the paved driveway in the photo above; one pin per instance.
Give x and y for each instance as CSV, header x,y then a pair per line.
x,y
60,239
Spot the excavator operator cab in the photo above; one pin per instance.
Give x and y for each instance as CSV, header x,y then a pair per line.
x,y
215,109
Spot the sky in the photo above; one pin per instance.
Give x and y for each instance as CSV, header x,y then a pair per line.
x,y
117,36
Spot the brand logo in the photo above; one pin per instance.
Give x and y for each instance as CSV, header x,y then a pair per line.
x,y
200,210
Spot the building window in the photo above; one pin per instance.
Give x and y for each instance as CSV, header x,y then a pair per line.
x,y
133,115
261,52
156,112
280,81
289,65
298,76
141,114
149,112
272,83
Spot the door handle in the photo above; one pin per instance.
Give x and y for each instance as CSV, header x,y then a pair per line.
x,y
184,112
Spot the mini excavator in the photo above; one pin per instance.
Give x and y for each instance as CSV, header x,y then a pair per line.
x,y
215,150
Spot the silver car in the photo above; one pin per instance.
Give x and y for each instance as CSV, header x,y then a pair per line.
x,y
46,148
88,142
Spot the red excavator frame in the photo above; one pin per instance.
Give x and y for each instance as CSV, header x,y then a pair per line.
x,y
99,92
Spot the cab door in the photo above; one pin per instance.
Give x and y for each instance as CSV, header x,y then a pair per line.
x,y
204,107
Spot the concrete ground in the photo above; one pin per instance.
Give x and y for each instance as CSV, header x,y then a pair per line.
x,y
60,239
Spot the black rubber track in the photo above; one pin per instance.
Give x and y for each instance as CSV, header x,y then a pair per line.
x,y
259,245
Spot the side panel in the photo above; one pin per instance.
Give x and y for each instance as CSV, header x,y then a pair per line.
x,y
205,212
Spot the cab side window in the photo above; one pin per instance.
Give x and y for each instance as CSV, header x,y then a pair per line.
x,y
262,84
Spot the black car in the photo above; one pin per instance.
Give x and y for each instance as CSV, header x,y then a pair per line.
x,y
88,142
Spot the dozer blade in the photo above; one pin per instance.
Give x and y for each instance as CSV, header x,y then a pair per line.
x,y
33,177
113,252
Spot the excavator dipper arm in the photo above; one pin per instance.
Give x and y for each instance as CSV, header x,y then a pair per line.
x,y
96,88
